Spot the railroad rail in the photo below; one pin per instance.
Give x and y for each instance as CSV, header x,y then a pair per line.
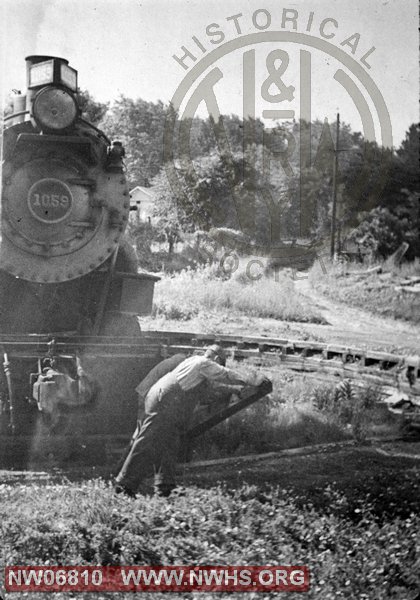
x,y
396,375
390,371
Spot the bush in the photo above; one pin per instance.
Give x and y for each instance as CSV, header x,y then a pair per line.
x,y
287,418
384,229
348,406
208,288
357,545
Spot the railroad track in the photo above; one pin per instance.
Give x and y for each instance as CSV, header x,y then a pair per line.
x,y
324,361
389,371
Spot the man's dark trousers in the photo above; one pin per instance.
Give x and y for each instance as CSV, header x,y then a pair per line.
x,y
155,447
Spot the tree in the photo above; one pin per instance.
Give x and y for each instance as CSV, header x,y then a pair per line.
x,y
397,218
139,125
170,219
141,235
219,191
92,110
306,189
383,231
408,159
214,191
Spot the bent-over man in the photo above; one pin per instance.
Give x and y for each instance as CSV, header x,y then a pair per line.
x,y
169,405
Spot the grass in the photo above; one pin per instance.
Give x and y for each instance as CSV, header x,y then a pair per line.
x,y
267,426
359,540
299,412
206,289
374,292
360,544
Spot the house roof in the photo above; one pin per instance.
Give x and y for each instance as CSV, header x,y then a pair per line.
x,y
144,190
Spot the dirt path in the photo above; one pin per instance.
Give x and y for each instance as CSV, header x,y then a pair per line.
x,y
344,464
354,326
343,325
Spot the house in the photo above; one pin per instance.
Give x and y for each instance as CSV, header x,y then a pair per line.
x,y
143,199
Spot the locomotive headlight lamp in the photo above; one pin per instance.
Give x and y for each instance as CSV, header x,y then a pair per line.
x,y
54,109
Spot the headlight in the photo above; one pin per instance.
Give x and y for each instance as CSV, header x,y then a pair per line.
x,y
54,108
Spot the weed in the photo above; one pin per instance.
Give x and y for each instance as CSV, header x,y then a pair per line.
x,y
287,418
348,406
374,292
359,544
209,289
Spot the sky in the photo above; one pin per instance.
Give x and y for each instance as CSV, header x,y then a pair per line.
x,y
127,47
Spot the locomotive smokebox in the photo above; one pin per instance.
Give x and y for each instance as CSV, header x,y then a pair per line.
x,y
64,204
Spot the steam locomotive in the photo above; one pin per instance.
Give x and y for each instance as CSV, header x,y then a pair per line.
x,y
70,293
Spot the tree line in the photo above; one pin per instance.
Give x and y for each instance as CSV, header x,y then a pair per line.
x,y
255,182
241,175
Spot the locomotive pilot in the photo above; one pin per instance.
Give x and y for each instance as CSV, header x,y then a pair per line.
x,y
169,405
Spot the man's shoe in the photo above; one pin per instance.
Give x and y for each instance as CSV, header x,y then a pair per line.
x,y
164,490
122,489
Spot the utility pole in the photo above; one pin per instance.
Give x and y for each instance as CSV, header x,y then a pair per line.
x,y
335,185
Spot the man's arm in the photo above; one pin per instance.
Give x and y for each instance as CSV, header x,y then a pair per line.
x,y
214,372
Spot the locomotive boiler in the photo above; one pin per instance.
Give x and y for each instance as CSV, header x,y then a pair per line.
x,y
70,291
69,287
